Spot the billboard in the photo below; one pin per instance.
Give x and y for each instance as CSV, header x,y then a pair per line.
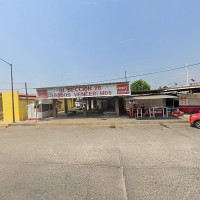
x,y
114,89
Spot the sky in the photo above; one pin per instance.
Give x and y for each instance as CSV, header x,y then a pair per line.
x,y
67,42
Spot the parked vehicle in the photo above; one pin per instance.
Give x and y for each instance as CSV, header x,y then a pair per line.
x,y
195,120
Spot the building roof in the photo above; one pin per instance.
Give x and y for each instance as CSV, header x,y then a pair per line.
x,y
147,97
183,88
192,87
29,96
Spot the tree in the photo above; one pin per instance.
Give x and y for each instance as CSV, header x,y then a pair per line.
x,y
140,85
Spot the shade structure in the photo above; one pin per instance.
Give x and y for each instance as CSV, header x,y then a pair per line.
x,y
153,97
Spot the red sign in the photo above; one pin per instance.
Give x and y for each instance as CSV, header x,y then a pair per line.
x,y
42,94
84,91
123,89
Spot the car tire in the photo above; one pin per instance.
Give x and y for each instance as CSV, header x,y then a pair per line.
x,y
197,124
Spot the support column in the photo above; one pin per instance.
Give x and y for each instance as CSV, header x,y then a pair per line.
x,y
89,104
116,106
99,104
54,108
66,106
84,108
92,104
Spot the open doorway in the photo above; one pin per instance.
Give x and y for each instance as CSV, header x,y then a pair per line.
x,y
121,107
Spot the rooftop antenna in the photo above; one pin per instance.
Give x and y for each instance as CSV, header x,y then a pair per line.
x,y
125,76
187,75
26,93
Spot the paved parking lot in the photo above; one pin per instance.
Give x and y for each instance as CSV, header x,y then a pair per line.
x,y
95,162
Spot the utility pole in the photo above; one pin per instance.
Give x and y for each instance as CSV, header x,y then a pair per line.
x,y
26,93
12,94
187,75
125,76
11,75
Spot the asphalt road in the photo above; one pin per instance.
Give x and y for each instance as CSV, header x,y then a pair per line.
x,y
130,162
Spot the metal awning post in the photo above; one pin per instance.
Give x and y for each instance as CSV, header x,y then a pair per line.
x,y
167,112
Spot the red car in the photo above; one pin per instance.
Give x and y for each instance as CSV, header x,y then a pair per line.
x,y
195,120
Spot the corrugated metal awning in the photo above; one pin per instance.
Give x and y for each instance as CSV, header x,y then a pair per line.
x,y
153,97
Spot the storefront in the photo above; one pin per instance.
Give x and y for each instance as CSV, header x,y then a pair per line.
x,y
102,99
155,105
189,103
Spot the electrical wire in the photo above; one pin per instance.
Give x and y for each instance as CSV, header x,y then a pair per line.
x,y
133,76
146,74
13,83
167,70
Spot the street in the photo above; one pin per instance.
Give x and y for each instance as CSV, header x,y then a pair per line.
x,y
144,162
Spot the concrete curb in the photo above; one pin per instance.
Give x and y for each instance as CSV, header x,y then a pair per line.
x,y
4,125
99,123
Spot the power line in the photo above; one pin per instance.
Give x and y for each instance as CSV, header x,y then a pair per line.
x,y
146,74
133,76
14,89
167,70
13,83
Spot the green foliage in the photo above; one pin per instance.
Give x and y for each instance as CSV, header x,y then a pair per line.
x,y
140,85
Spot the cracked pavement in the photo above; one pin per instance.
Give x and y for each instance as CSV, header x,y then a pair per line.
x,y
96,162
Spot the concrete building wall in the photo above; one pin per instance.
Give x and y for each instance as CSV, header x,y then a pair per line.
x,y
189,103
7,106
1,109
70,104
38,115
21,112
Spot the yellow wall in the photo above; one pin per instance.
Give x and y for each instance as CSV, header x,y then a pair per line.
x,y
23,111
7,106
1,109
70,103
19,106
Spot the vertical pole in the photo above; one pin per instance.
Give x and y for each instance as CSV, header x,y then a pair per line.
x,y
116,106
22,110
89,104
54,108
92,104
41,112
36,107
186,66
26,93
66,105
84,108
167,112
13,107
125,76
